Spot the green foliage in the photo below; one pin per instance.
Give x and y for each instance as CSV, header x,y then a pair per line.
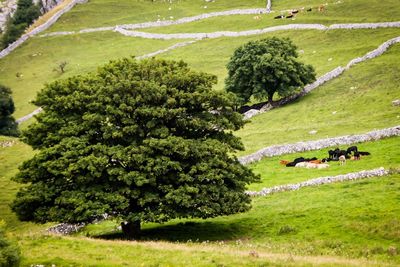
x,y
265,67
148,141
25,14
8,126
9,253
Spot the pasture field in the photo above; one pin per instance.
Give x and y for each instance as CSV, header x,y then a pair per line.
x,y
353,223
334,13
37,58
346,222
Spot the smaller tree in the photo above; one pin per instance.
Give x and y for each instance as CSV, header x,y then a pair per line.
x,y
262,68
61,66
8,125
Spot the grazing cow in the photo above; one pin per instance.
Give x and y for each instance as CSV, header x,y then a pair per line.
x,y
279,17
362,153
353,149
309,10
322,166
301,164
289,16
294,12
342,160
311,165
284,162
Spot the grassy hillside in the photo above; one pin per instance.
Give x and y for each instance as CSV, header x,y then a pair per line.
x,y
362,99
36,60
343,12
346,220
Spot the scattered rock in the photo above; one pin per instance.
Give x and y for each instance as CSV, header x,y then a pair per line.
x,y
334,112
9,143
65,228
313,132
247,115
396,102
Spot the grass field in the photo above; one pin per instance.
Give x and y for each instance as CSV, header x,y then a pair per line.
x,y
37,58
341,220
100,13
334,13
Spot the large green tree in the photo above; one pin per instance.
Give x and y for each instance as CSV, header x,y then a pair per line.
x,y
144,141
8,126
266,67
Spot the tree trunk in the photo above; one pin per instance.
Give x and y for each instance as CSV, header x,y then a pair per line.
x,y
131,230
270,100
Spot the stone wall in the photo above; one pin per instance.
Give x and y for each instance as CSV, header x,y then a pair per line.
x,y
320,181
277,150
124,29
40,28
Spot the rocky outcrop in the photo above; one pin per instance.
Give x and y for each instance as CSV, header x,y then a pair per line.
x,y
7,9
47,5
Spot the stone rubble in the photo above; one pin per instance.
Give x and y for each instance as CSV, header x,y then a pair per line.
x,y
7,9
8,143
379,172
65,228
277,150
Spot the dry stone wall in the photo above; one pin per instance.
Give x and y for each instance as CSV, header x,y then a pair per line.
x,y
123,29
277,150
379,172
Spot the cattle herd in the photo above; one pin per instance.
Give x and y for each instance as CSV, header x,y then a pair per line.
x,y
293,13
333,155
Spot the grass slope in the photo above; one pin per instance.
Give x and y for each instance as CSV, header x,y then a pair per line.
x,y
37,58
100,13
343,12
351,220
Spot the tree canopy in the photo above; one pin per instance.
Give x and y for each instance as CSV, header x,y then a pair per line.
x,y
262,68
8,126
144,141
